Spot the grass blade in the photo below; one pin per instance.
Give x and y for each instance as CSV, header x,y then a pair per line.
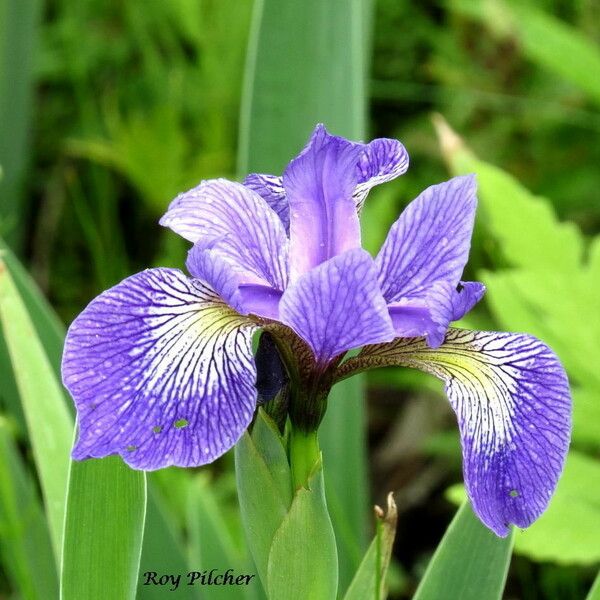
x,y
305,65
346,482
212,541
160,534
25,549
48,421
471,563
18,40
104,528
47,325
50,332
594,593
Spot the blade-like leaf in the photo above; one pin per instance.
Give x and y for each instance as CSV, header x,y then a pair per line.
x,y
305,65
369,581
25,547
103,530
212,541
18,40
262,504
48,421
471,563
160,533
346,482
303,557
47,326
594,593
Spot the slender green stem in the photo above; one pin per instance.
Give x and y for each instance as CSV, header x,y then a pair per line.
x,y
304,453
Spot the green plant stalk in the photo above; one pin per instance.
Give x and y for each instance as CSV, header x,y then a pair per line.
x,y
304,454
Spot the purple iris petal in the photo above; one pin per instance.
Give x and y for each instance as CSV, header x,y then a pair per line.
x,y
512,402
338,306
161,371
208,265
425,313
259,300
465,297
319,184
430,241
379,161
382,160
423,256
238,223
270,188
429,312
511,397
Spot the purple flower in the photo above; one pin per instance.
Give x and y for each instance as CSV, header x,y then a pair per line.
x,y
161,366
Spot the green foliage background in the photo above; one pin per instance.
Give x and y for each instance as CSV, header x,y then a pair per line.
x,y
109,109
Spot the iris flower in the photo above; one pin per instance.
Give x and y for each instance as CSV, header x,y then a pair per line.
x,y
161,366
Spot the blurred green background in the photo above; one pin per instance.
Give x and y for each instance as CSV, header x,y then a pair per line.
x,y
108,109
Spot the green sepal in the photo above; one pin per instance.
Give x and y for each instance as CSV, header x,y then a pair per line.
x,y
264,484
303,562
369,580
471,563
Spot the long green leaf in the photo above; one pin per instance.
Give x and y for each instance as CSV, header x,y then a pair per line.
x,y
47,326
51,334
303,558
48,421
260,462
103,530
161,533
212,541
18,40
471,563
24,539
306,64
346,482
594,593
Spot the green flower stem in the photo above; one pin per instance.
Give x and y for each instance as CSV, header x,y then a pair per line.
x,y
304,454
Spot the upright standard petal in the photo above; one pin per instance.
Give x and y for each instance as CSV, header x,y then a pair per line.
x,y
161,371
381,160
319,184
430,241
238,223
511,398
338,306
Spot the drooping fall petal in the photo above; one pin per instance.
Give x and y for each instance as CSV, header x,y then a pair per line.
x,y
513,406
161,372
